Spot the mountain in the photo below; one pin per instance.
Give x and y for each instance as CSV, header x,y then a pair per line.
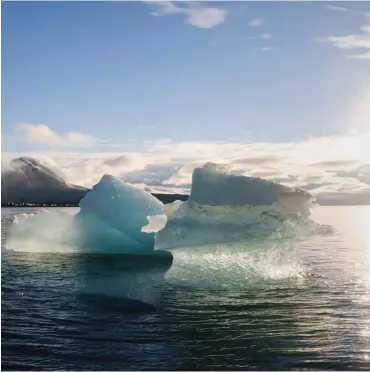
x,y
28,181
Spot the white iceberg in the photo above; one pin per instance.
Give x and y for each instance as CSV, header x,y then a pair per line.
x,y
223,207
214,185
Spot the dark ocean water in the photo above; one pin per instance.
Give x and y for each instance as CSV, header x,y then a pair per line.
x,y
218,308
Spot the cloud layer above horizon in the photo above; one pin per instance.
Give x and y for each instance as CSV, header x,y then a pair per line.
x,y
333,165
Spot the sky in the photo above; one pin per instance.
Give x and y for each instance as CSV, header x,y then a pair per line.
x,y
149,90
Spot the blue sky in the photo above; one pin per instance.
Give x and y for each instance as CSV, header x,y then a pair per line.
x,y
95,76
113,70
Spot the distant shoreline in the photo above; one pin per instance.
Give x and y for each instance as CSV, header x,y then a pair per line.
x,y
164,198
32,205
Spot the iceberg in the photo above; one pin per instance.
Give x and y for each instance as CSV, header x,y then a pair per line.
x,y
224,208
214,185
113,214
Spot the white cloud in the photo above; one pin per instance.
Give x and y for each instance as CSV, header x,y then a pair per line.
x,y
354,41
323,165
343,9
120,161
267,49
266,36
182,177
256,22
359,56
336,8
261,36
42,134
260,160
358,43
335,165
196,14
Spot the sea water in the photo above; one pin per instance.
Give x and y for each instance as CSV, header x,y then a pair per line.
x,y
293,304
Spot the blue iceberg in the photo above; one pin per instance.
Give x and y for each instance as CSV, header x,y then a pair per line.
x,y
112,216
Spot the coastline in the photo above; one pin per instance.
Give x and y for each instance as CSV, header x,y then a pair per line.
x,y
164,198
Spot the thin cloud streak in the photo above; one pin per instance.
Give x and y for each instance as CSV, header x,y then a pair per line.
x,y
343,9
256,22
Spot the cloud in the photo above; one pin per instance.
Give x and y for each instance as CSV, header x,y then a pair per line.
x,y
344,198
196,14
256,22
152,174
336,8
118,162
343,9
359,56
266,36
267,49
268,173
261,36
43,135
182,177
259,160
323,165
354,41
334,164
357,43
